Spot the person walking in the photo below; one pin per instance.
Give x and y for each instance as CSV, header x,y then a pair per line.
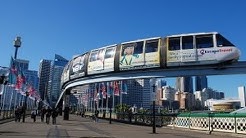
x,y
96,115
17,114
48,114
33,115
43,111
54,115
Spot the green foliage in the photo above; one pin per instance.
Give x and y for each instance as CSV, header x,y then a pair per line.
x,y
121,108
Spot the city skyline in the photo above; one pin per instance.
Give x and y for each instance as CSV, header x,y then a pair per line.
x,y
71,28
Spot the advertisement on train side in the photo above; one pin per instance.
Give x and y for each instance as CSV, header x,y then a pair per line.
x,y
101,60
131,56
152,56
78,67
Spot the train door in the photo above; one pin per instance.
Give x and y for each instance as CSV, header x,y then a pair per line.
x,y
188,51
152,54
205,48
173,51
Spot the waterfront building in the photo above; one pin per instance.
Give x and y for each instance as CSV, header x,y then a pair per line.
x,y
242,95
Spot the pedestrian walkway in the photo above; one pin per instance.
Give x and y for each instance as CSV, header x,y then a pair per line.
x,y
77,127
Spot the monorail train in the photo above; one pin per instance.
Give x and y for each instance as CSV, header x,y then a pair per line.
x,y
159,52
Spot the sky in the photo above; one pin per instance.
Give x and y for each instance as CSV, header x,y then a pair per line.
x,y
72,27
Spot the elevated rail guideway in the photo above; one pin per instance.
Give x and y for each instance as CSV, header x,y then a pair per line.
x,y
208,70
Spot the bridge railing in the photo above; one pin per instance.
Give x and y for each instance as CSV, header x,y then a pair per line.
x,y
6,114
233,123
9,114
223,122
138,118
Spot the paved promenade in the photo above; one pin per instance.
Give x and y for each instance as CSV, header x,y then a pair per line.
x,y
78,127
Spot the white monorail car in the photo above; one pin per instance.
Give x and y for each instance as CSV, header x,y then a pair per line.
x,y
199,49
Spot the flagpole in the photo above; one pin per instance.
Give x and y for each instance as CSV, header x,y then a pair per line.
x,y
121,94
15,99
106,104
113,101
11,98
113,95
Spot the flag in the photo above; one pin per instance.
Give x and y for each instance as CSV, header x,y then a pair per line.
x,y
109,89
13,73
116,88
31,90
20,81
124,87
103,90
96,93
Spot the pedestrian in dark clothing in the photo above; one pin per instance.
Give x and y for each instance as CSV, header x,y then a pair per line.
x,y
54,115
48,114
33,115
96,115
43,111
17,114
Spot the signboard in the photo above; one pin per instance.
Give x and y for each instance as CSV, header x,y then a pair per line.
x,y
77,67
132,56
66,73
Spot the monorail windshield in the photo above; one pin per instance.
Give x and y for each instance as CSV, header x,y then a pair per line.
x,y
222,41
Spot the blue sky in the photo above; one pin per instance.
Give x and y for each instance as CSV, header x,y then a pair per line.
x,y
68,28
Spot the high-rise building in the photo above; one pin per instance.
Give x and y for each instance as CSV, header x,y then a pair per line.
x,y
242,95
201,82
184,84
186,100
57,67
44,74
22,64
138,93
161,83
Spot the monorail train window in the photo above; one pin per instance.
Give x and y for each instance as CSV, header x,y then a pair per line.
x,y
151,46
101,54
93,56
221,41
139,48
204,41
187,42
174,43
110,52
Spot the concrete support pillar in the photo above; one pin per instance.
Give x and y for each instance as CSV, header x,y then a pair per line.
x,y
66,105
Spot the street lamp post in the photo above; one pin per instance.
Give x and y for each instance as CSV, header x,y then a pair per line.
x,y
110,110
153,95
154,126
25,106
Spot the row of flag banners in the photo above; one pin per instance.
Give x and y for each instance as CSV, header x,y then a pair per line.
x,y
106,89
18,80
